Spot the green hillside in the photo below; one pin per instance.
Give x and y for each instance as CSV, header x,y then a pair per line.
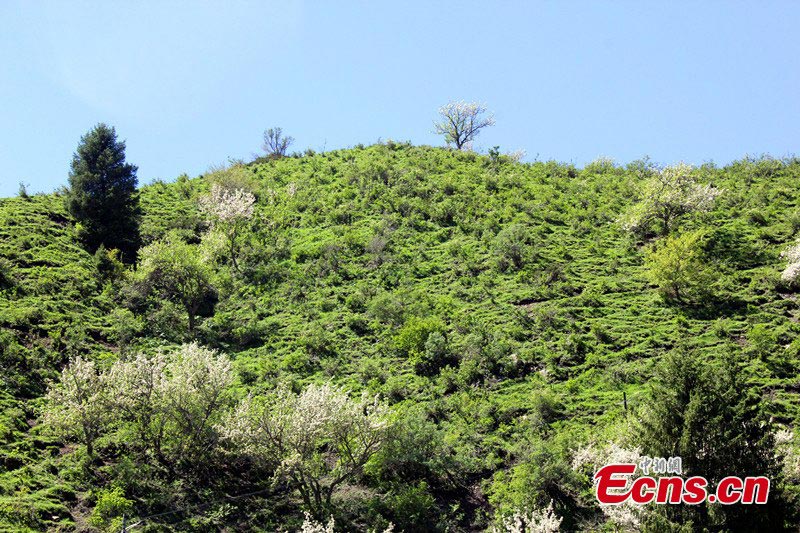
x,y
499,309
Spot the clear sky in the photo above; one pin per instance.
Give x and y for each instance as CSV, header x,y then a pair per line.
x,y
189,84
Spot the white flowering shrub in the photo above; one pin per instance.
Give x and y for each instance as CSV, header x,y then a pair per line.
x,y
171,404
534,521
196,393
792,257
228,210
668,194
225,205
788,449
312,526
316,440
138,387
78,404
517,155
461,122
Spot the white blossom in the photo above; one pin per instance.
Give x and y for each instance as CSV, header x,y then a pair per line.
x,y
170,402
224,205
228,209
792,270
78,403
534,521
669,193
517,155
312,526
595,457
317,440
788,449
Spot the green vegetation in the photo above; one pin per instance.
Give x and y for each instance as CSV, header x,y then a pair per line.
x,y
395,334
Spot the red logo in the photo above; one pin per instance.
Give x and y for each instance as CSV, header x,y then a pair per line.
x,y
615,485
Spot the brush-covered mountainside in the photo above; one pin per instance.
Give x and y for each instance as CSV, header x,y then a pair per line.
x,y
508,330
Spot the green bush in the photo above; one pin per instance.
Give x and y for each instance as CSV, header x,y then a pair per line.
x,y
677,266
110,507
423,342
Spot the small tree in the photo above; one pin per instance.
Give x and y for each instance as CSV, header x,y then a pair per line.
x,y
275,143
138,387
102,195
676,265
512,245
77,405
672,192
176,271
228,211
195,393
461,122
318,439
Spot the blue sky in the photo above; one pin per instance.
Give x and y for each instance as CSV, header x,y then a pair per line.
x,y
189,84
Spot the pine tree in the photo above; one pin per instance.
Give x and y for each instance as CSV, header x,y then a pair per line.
x,y
710,416
102,196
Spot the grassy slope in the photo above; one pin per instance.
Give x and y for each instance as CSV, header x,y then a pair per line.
x,y
375,236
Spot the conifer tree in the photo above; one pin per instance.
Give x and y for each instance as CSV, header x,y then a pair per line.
x,y
102,195
711,417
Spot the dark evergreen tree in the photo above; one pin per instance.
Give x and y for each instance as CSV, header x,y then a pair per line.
x,y
102,195
710,416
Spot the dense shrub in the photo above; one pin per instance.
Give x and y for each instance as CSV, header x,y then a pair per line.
x,y
677,266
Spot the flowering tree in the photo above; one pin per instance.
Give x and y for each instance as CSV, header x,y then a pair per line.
x,y
228,211
137,386
461,122
78,403
171,403
786,444
196,393
318,439
668,194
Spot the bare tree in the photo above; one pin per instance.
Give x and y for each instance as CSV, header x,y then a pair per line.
x,y
275,143
461,122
